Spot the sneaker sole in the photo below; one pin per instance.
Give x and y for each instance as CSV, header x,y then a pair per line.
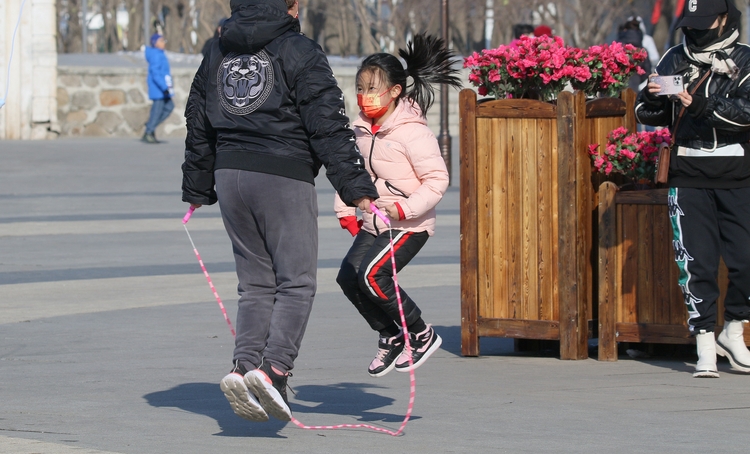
x,y
268,396
435,346
242,402
720,350
705,374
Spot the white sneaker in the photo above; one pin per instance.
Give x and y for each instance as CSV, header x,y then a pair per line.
x,y
270,388
731,343
244,404
706,345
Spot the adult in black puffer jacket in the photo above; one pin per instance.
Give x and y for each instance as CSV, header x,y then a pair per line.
x,y
709,173
264,112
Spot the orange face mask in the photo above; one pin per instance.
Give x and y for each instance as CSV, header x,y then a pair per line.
x,y
370,105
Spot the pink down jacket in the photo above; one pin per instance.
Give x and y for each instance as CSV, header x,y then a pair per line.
x,y
405,164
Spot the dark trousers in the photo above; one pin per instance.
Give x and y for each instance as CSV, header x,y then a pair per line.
x,y
708,224
366,277
160,110
272,223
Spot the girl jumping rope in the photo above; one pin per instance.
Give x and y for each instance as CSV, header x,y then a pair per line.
x,y
403,158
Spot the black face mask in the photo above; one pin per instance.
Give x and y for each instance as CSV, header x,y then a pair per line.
x,y
701,38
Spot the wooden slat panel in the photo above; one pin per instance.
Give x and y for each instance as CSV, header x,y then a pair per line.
x,y
584,199
606,272
629,223
516,108
525,329
485,155
529,220
650,332
628,96
499,207
554,194
619,263
652,197
468,238
571,330
515,213
644,286
546,238
605,107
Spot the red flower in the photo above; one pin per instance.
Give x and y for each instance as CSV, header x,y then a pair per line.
x,y
631,154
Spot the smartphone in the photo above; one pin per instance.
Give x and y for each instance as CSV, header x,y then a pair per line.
x,y
670,85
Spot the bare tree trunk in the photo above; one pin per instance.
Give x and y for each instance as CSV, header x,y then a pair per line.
x,y
110,40
135,25
368,43
70,40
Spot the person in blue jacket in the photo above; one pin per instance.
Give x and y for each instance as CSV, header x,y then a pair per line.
x,y
160,89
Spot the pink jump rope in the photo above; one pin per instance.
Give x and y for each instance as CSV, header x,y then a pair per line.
x,y
412,380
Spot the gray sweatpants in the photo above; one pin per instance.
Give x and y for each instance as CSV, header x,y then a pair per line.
x,y
272,223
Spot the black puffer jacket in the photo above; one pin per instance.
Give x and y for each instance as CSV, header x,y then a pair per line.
x,y
264,99
719,116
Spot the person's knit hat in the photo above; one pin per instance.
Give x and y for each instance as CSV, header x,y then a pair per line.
x,y
701,14
542,30
154,38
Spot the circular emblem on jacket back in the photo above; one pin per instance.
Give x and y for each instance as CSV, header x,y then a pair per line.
x,y
244,82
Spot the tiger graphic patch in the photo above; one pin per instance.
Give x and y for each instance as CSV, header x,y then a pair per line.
x,y
244,82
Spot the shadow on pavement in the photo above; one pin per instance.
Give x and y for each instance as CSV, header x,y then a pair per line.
x,y
350,400
208,400
346,399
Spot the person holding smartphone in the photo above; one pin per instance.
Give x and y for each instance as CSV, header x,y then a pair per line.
x,y
709,173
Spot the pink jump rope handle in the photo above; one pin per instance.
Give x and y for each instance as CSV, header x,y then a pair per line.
x,y
188,214
380,214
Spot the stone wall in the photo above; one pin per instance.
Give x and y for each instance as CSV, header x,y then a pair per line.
x,y
113,100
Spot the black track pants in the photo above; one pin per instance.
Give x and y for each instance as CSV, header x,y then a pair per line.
x,y
708,224
366,277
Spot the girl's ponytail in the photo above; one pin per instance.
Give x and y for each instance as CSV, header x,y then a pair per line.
x,y
428,62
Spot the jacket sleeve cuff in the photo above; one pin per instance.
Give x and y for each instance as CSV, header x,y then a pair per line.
x,y
401,215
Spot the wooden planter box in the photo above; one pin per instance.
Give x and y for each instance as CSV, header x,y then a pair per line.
x,y
639,298
527,217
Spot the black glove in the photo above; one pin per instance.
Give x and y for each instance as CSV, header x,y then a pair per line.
x,y
651,99
167,95
697,107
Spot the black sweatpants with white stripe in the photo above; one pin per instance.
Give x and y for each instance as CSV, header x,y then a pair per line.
x,y
366,277
707,224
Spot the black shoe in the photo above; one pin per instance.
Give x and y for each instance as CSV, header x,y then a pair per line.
x,y
149,138
243,403
389,348
270,388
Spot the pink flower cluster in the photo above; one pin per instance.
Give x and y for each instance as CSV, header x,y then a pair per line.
x,y
541,67
609,66
633,155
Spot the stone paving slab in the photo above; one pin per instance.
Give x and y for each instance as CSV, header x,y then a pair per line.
x,y
111,341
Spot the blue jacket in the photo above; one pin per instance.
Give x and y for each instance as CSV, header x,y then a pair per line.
x,y
159,78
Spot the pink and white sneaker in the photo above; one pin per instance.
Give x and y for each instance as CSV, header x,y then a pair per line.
x,y
389,349
421,346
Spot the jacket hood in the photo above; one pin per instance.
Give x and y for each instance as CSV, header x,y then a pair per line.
x,y
254,24
634,37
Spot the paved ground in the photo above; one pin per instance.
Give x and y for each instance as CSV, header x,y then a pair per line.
x,y
111,341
